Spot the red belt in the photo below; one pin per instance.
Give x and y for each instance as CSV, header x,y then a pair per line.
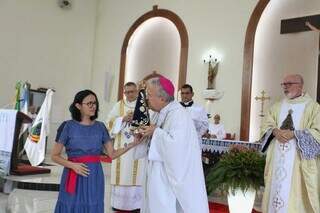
x,y
71,181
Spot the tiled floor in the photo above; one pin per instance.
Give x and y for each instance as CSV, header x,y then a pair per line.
x,y
220,198
3,202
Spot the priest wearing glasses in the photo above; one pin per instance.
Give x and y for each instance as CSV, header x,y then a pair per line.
x,y
127,173
291,138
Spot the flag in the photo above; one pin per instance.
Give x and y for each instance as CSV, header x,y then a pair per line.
x,y
36,142
17,96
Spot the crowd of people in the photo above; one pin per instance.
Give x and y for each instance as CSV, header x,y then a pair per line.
x,y
159,168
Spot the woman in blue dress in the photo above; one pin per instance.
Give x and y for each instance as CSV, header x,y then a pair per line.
x,y
84,138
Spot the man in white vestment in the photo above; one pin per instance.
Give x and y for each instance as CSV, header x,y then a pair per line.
x,y
174,179
127,173
216,130
291,137
196,111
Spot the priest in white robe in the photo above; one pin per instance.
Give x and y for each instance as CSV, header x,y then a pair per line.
x,y
127,173
197,112
291,136
174,180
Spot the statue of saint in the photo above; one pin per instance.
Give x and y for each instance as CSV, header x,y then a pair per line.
x,y
212,73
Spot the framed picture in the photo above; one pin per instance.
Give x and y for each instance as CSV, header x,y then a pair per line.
x,y
36,99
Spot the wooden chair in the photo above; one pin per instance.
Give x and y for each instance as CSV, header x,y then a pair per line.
x,y
230,136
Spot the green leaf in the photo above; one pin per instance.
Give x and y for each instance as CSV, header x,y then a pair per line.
x,y
242,168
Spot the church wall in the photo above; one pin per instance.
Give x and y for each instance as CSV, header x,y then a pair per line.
x,y
48,47
276,55
211,24
155,45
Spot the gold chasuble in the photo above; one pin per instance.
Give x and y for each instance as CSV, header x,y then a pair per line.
x,y
125,170
295,187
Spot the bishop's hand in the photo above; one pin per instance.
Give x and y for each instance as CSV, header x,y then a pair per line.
x,y
138,138
147,131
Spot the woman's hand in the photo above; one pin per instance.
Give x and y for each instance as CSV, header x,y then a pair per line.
x,y
138,138
80,169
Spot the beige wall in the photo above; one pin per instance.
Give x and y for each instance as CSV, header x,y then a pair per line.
x,y
276,55
155,45
73,49
48,47
211,24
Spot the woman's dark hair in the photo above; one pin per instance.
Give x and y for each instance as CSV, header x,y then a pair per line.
x,y
78,98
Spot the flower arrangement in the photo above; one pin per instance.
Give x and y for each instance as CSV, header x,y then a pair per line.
x,y
240,168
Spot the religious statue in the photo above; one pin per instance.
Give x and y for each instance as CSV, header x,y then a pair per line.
x,y
263,98
212,71
141,114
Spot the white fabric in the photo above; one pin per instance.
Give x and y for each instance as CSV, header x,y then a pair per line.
x,y
116,118
284,161
141,150
217,130
36,151
126,198
117,126
7,128
200,118
175,181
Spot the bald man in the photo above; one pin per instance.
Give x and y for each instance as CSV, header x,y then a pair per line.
x,y
291,137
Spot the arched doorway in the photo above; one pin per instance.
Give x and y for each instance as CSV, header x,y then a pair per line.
x,y
175,19
276,53
248,67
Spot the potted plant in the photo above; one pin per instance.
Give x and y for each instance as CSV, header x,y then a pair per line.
x,y
239,172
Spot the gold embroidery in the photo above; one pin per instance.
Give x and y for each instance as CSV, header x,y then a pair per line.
x,y
118,161
134,172
110,124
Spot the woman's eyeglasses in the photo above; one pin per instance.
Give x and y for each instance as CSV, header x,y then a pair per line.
x,y
90,104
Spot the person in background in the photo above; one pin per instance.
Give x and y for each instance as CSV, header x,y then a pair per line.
x,y
127,173
216,130
197,112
